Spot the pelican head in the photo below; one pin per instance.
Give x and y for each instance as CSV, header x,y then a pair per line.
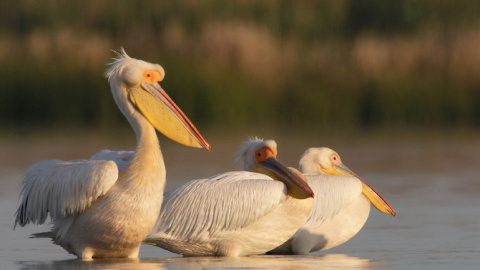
x,y
323,160
260,156
136,91
246,152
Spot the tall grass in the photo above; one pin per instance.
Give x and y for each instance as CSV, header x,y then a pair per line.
x,y
335,64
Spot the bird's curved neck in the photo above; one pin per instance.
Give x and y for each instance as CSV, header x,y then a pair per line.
x,y
147,167
148,146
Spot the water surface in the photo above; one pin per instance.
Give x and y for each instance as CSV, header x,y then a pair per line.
x,y
432,184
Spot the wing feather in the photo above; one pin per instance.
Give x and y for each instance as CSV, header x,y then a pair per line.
x,y
62,188
225,202
121,158
332,194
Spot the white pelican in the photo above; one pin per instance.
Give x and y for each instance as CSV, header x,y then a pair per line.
x,y
105,208
340,208
235,213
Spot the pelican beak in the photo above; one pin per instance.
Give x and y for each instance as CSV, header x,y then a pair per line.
x,y
375,198
295,181
154,103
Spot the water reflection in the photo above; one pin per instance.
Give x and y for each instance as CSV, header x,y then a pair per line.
x,y
92,264
437,201
340,261
272,262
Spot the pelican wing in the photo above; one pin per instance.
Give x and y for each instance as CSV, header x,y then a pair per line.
x,y
62,188
332,194
225,202
121,158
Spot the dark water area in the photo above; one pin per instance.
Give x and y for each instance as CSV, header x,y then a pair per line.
x,y
432,183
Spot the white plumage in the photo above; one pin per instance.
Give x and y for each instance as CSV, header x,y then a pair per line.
x,y
62,188
234,213
217,216
105,206
340,208
121,158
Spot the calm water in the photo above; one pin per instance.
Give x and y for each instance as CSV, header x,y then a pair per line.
x,y
432,184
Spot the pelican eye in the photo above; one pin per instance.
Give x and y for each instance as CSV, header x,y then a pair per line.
x,y
336,160
151,76
259,155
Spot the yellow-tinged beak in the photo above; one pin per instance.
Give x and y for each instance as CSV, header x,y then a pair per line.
x,y
375,198
154,103
294,180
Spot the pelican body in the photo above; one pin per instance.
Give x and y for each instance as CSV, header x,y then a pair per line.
x,y
235,213
340,208
106,206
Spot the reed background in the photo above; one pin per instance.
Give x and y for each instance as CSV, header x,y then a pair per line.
x,y
298,65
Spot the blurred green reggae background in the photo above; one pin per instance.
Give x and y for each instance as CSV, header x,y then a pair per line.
x,y
335,64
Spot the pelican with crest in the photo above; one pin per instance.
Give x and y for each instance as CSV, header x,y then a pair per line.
x,y
106,206
235,213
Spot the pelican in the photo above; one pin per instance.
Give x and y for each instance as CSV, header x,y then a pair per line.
x,y
340,208
235,213
106,207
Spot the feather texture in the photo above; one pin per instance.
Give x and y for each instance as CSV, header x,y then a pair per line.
x,y
59,189
189,211
334,193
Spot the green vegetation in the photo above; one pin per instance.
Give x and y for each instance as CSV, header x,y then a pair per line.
x,y
329,64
